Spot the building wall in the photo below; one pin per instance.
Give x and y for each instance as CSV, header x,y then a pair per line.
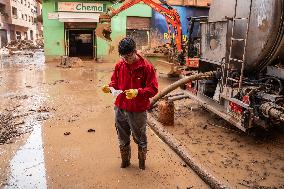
x,y
118,24
25,18
53,32
4,23
39,33
54,36
12,22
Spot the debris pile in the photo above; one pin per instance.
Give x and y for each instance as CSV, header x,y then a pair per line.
x,y
159,50
9,126
4,51
157,38
70,62
24,45
40,43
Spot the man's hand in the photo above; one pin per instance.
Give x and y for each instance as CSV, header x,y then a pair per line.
x,y
106,89
131,93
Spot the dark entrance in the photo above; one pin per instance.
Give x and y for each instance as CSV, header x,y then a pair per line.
x,y
81,43
3,36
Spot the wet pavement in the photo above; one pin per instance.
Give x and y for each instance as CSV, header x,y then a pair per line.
x,y
62,131
27,166
22,114
59,133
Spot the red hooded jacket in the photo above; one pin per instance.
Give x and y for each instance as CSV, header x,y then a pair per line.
x,y
138,75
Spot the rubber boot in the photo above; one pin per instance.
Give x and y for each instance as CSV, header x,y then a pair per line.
x,y
142,157
125,152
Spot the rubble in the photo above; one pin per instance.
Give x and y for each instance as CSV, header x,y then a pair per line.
x,y
70,62
40,42
162,50
10,126
159,46
17,45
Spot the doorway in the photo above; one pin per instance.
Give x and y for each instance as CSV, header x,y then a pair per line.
x,y
3,38
81,43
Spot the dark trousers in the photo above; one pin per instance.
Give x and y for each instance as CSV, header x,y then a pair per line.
x,y
131,122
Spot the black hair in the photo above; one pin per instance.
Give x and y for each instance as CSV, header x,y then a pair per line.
x,y
126,46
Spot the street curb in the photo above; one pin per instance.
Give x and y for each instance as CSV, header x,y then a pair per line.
x,y
202,171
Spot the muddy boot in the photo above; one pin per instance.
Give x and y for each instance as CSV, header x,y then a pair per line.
x,y
125,152
142,157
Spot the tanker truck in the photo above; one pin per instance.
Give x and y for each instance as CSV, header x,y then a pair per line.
x,y
242,49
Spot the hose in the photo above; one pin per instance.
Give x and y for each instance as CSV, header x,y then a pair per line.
x,y
173,86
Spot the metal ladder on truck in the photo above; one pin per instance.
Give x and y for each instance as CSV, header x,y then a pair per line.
x,y
243,40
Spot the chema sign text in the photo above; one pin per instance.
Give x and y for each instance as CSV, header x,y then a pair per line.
x,y
80,7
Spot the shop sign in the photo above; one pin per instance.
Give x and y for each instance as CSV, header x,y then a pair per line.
x,y
80,7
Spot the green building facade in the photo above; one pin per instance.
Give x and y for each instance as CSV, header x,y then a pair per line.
x,y
70,25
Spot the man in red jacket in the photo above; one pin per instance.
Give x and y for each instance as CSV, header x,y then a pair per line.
x,y
136,77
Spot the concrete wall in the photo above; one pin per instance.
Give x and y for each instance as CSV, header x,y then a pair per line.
x,y
26,24
53,32
118,26
4,24
15,23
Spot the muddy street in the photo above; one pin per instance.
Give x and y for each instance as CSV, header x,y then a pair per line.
x,y
206,110
60,132
57,131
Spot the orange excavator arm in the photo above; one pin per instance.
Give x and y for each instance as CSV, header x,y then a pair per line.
x,y
171,15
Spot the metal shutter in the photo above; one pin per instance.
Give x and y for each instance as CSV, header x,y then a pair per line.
x,y
137,23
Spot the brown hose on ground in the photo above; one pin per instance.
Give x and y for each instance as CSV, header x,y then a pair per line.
x,y
173,86
207,175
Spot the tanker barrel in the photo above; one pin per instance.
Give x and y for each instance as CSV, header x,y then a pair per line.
x,y
271,110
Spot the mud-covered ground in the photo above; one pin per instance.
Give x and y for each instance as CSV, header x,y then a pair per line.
x,y
57,131
254,160
20,95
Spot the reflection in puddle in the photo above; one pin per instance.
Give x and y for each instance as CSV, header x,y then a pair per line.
x,y
27,166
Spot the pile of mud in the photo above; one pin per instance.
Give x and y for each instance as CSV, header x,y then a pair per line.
x,y
40,43
162,50
24,45
70,62
245,160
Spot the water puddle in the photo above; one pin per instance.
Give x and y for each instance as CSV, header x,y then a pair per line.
x,y
27,166
23,75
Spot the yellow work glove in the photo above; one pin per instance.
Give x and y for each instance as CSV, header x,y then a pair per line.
x,y
106,89
131,93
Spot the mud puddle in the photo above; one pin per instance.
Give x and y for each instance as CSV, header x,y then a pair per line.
x,y
71,140
27,166
21,117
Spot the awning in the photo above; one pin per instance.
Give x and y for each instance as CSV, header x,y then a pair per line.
x,y
78,17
